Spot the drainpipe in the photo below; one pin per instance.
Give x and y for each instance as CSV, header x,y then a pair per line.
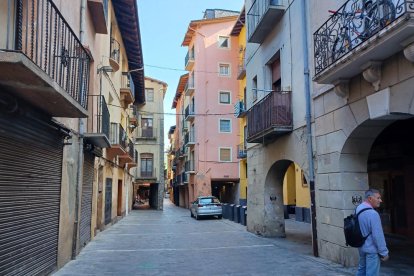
x,y
308,127
127,190
81,126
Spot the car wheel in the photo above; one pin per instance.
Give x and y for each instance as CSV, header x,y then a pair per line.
x,y
220,216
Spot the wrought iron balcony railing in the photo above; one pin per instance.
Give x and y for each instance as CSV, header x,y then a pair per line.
x,y
189,166
127,90
242,151
351,25
38,30
148,173
145,133
189,138
240,109
189,86
262,17
189,59
189,112
98,122
270,117
118,135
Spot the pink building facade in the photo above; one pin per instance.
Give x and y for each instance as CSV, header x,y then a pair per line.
x,y
210,129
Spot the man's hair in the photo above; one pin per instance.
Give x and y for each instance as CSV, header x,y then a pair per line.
x,y
371,192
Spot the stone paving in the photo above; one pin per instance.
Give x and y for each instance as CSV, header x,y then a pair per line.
x,y
170,242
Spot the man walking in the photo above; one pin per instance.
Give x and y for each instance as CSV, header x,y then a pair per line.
x,y
374,249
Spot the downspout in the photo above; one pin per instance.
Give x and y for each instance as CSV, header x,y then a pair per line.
x,y
308,128
127,190
81,126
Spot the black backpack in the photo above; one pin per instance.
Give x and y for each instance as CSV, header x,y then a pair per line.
x,y
353,235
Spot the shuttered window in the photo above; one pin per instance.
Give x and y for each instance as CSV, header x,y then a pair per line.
x,y
225,154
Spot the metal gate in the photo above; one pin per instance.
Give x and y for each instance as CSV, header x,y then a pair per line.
x,y
31,150
86,203
108,200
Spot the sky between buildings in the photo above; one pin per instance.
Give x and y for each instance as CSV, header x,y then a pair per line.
x,y
163,24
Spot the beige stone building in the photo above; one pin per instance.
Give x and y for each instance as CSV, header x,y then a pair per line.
x,y
65,95
149,142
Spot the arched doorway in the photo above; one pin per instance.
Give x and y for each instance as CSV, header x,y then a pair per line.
x,y
287,203
390,169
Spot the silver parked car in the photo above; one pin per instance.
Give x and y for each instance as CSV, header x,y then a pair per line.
x,y
206,206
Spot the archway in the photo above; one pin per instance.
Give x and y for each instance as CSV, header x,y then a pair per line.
x,y
287,203
390,168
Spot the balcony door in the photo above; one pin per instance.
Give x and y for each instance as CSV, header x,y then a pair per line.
x,y
147,127
276,76
147,161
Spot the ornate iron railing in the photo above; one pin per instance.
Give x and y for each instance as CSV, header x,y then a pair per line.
x,y
115,50
37,29
352,24
127,82
118,135
99,122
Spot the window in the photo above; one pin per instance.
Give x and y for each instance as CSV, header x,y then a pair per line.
x,y
146,164
225,125
254,88
276,77
149,94
146,127
225,154
224,97
224,69
223,42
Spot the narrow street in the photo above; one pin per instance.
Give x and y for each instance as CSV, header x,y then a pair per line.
x,y
170,242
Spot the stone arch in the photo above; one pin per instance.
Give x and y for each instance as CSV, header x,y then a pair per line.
x,y
273,199
342,174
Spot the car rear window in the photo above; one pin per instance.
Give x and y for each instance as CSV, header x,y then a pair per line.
x,y
209,200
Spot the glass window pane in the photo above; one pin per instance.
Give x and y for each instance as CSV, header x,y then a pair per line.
x,y
225,125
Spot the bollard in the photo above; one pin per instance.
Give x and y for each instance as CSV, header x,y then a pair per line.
x,y
225,210
236,213
231,212
243,215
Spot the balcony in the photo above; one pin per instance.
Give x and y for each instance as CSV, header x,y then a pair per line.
x,y
145,133
189,87
242,151
189,167
114,55
189,60
133,120
189,139
240,109
99,15
242,65
270,118
127,90
118,138
43,64
262,18
181,152
189,113
145,176
356,35
130,157
98,122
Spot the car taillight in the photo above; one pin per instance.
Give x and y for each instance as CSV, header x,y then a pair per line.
x,y
200,205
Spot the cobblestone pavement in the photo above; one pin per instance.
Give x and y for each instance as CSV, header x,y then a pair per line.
x,y
170,242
